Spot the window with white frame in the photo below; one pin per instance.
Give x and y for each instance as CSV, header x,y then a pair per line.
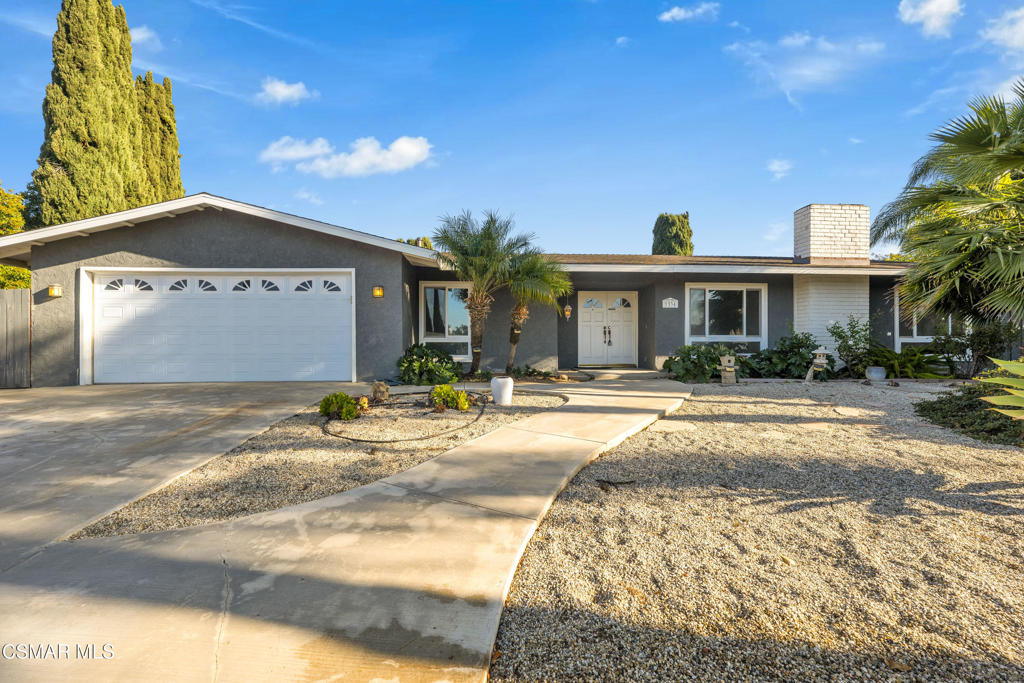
x,y
914,330
444,319
734,314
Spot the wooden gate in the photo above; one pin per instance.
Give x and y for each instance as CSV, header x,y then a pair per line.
x,y
15,335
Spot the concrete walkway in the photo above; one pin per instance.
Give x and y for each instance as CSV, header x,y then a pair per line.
x,y
403,579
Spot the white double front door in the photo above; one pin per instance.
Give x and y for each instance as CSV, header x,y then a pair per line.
x,y
607,328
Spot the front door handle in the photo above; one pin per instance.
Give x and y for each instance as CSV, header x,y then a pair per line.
x,y
609,335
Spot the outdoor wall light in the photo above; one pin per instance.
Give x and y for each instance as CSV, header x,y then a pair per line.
x,y
378,292
568,311
55,290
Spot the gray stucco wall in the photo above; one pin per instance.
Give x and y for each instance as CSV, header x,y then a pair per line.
x,y
537,343
215,239
660,330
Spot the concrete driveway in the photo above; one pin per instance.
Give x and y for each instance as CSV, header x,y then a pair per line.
x,y
71,455
403,579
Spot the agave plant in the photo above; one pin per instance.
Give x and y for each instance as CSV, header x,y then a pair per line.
x,y
1012,403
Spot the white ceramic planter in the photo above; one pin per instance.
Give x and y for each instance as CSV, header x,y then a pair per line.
x,y
875,373
501,391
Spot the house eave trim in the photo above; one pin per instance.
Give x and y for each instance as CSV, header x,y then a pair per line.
x,y
739,269
19,246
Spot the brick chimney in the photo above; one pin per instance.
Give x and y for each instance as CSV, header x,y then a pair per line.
x,y
834,234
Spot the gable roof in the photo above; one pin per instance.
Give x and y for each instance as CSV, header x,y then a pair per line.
x,y
18,247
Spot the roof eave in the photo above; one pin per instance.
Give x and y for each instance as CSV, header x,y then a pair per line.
x,y
779,269
19,246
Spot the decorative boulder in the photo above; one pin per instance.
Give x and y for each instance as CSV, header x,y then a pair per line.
x,y
381,392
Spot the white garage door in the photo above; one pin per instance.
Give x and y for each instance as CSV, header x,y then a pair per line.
x,y
222,327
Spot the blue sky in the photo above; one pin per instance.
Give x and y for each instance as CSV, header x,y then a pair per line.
x,y
583,118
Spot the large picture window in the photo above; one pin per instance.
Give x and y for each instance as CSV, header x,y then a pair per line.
x,y
916,330
444,320
734,314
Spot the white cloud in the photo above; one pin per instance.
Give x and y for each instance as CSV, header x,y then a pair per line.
x,y
775,232
233,12
795,39
185,77
1005,89
37,25
855,141
276,91
707,11
935,16
800,62
779,168
739,26
1007,31
367,157
311,197
288,149
622,41
146,38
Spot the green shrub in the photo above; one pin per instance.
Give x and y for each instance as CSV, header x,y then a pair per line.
x,y
340,406
692,363
528,371
968,353
911,362
445,396
790,358
965,411
423,364
853,344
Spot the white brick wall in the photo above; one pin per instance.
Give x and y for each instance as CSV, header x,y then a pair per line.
x,y
832,231
820,300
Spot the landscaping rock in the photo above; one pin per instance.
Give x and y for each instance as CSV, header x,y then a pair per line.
x,y
889,550
294,462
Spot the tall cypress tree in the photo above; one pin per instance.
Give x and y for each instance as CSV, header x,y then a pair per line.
x,y
93,159
159,149
672,235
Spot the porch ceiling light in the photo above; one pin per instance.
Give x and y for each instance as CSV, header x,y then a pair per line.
x,y
378,291
55,291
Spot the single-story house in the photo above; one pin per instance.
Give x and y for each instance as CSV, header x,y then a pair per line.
x,y
205,288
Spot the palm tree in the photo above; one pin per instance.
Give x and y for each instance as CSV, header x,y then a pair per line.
x,y
960,217
532,278
481,254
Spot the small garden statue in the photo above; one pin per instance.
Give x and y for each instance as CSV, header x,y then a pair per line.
x,y
819,364
728,369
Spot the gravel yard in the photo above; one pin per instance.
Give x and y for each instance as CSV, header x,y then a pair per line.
x,y
779,531
294,462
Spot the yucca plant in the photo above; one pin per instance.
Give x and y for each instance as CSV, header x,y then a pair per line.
x,y
1012,403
